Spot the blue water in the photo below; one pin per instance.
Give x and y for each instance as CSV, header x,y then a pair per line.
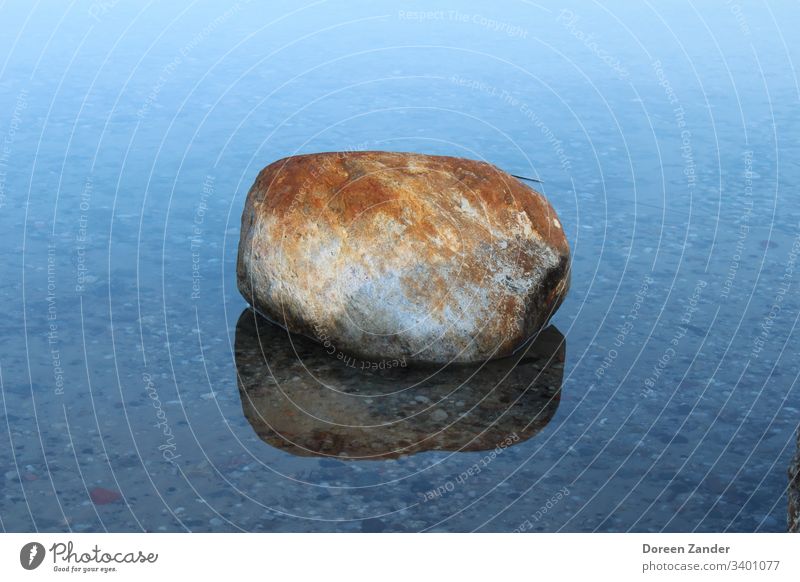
x,y
666,137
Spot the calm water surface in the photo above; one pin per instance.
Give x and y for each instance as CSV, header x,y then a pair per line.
x,y
138,393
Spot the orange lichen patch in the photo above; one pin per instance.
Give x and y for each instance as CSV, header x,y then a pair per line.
x,y
435,286
357,181
510,308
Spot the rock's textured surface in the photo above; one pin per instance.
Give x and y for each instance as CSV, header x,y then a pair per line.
x,y
794,491
394,255
300,399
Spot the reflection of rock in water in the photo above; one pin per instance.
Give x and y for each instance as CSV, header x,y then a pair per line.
x,y
794,491
302,399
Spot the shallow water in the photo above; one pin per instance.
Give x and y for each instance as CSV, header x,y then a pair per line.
x,y
666,139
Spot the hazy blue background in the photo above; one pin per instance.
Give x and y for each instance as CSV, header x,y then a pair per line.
x,y
666,134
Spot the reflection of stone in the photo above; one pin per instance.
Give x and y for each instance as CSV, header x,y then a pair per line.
x,y
794,491
400,255
302,399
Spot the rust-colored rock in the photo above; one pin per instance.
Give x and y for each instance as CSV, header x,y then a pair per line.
x,y
402,256
303,401
103,496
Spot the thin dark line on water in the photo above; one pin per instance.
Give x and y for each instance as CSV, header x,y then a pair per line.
x,y
636,203
529,179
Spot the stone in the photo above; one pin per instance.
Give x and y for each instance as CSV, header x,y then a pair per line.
x,y
302,400
386,255
794,491
103,496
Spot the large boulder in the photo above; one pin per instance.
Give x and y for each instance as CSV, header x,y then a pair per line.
x,y
397,255
303,401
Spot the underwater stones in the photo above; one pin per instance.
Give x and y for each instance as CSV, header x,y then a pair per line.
x,y
402,256
300,399
794,491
